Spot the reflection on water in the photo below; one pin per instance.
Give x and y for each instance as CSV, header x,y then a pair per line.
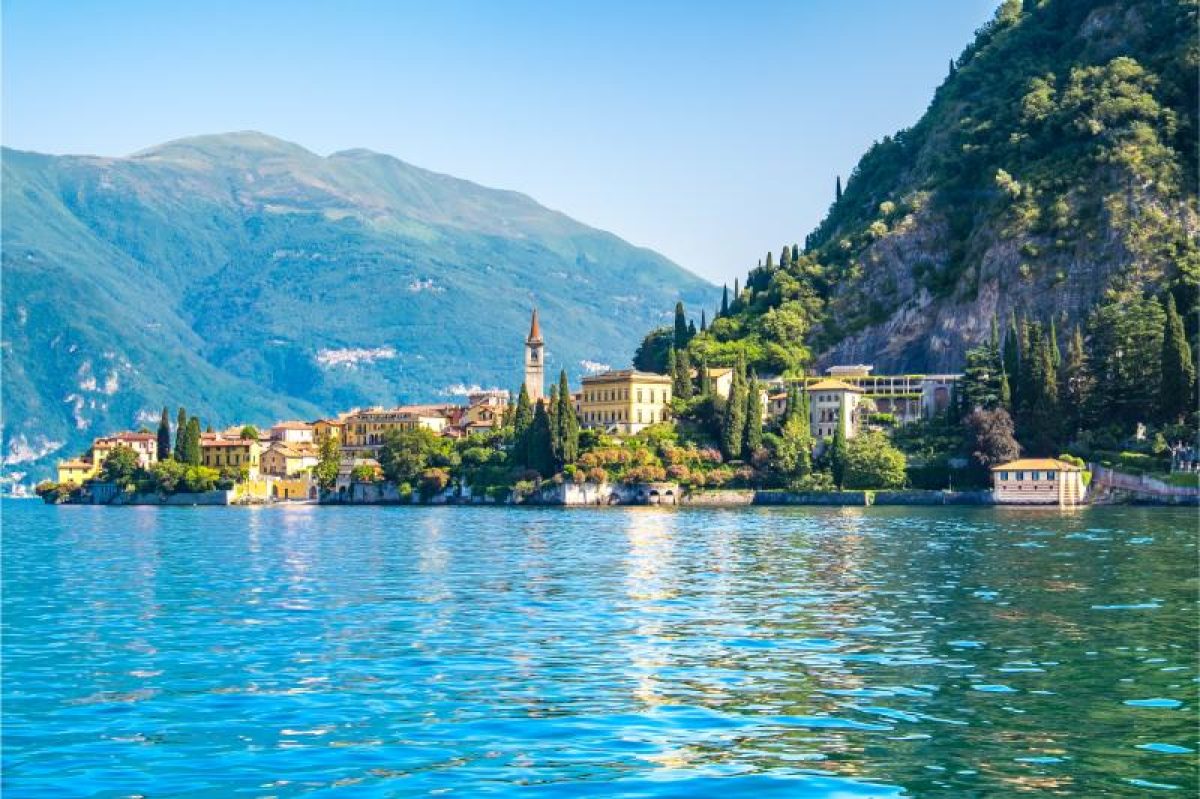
x,y
632,652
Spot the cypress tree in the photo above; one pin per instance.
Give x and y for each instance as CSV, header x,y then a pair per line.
x,y
724,300
837,452
681,329
164,435
522,422
1005,392
181,421
1011,358
1055,352
754,410
733,423
705,380
1176,396
552,412
1043,425
837,190
684,364
539,455
795,253
703,321
567,424
191,442
691,329
1077,385
770,261
785,257
673,369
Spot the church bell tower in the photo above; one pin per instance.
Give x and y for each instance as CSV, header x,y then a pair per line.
x,y
535,367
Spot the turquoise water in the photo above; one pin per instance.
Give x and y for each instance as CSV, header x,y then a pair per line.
x,y
624,652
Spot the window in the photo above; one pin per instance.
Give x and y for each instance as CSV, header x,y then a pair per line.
x,y
639,395
1003,475
1051,475
1020,475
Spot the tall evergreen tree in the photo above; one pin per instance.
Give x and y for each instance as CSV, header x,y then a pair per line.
x,y
785,257
691,329
181,421
838,452
795,253
673,369
192,453
164,434
724,300
1011,352
705,379
754,413
566,433
1055,352
1077,385
837,190
522,422
552,412
1005,391
733,423
703,321
683,363
539,454
681,329
1044,422
1177,396
1126,337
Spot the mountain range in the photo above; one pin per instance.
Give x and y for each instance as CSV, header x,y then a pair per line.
x,y
248,279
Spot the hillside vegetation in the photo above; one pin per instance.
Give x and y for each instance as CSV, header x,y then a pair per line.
x,y
1052,177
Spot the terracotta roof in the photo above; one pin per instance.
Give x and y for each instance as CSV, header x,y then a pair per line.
x,y
291,425
129,437
75,463
1035,464
535,330
833,385
627,374
227,442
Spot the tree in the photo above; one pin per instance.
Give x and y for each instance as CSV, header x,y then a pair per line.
x,y
164,435
704,378
724,300
673,370
181,421
405,454
733,422
703,321
837,190
1044,424
1055,352
522,423
566,429
1126,335
982,377
1011,358
754,412
329,461
121,466
249,431
192,453
793,451
1177,395
691,329
837,453
992,434
683,380
1077,385
539,449
651,354
872,462
681,330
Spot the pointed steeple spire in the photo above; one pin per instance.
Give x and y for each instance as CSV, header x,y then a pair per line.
x,y
535,330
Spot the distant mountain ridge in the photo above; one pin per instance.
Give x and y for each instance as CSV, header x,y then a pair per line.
x,y
250,279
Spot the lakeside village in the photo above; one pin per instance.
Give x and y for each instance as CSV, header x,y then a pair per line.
x,y
691,435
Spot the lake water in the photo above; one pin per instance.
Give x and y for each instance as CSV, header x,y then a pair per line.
x,y
633,652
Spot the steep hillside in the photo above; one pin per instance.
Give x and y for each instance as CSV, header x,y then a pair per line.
x,y
247,278
1054,170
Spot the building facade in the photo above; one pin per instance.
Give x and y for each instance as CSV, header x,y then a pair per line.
x,y
1038,481
624,401
145,445
218,452
535,361
832,403
293,432
281,459
76,470
365,430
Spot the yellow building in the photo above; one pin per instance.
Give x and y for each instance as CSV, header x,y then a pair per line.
x,y
324,428
1038,481
625,401
287,460
217,452
76,471
145,445
365,430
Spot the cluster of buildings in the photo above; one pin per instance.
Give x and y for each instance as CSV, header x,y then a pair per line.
x,y
620,402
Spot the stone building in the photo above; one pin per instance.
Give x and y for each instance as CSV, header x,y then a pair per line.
x,y
1038,481
624,401
535,361
833,402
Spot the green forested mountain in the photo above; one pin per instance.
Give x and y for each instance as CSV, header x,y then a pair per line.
x,y
1053,177
249,279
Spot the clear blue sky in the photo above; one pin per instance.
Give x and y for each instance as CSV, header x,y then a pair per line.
x,y
708,131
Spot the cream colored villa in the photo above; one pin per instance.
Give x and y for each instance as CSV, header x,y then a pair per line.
x,y
1038,481
624,401
833,402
